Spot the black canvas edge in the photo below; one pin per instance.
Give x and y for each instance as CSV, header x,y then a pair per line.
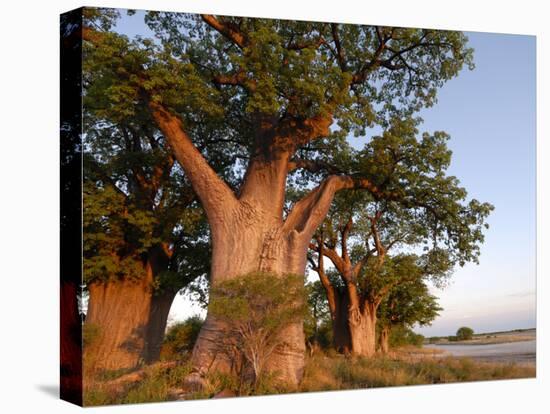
x,y
71,205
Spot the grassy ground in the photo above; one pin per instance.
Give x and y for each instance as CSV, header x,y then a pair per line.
x,y
323,372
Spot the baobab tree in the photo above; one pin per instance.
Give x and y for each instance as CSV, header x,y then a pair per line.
x,y
145,235
361,230
286,94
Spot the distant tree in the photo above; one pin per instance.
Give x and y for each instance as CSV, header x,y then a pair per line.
x,y
406,305
257,309
464,333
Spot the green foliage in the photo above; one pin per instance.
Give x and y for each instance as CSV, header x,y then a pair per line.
x,y
257,307
357,75
464,333
137,203
423,205
407,304
401,335
317,324
296,69
180,338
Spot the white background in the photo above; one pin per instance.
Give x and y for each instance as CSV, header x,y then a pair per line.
x,y
29,206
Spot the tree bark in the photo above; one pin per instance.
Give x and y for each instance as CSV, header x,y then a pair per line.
x,y
341,336
158,318
251,240
361,321
118,313
248,232
362,327
383,344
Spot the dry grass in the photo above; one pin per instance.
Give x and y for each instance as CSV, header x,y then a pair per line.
x,y
330,373
323,372
154,383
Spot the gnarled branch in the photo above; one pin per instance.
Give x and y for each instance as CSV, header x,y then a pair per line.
x,y
215,195
229,30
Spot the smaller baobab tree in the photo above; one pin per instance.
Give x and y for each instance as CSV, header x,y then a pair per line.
x,y
145,233
406,305
145,238
422,209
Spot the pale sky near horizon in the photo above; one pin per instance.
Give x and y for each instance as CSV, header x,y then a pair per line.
x,y
490,114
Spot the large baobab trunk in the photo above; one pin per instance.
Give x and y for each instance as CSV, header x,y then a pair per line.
x,y
251,239
128,318
384,339
353,326
117,318
353,320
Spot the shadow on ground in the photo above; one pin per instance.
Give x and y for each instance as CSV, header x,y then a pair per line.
x,y
49,389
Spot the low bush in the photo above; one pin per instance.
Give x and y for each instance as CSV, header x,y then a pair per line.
x,y
180,338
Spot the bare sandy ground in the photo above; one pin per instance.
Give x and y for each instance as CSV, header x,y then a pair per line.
x,y
503,347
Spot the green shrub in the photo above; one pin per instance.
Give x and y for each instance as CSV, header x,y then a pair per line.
x,y
402,336
181,337
257,307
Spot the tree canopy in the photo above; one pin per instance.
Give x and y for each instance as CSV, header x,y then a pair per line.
x,y
409,304
225,75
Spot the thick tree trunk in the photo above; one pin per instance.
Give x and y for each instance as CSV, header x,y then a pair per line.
x,y
118,314
248,230
340,328
362,332
252,239
384,339
158,318
362,322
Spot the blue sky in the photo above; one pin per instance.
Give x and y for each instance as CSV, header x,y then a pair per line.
x,y
490,114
